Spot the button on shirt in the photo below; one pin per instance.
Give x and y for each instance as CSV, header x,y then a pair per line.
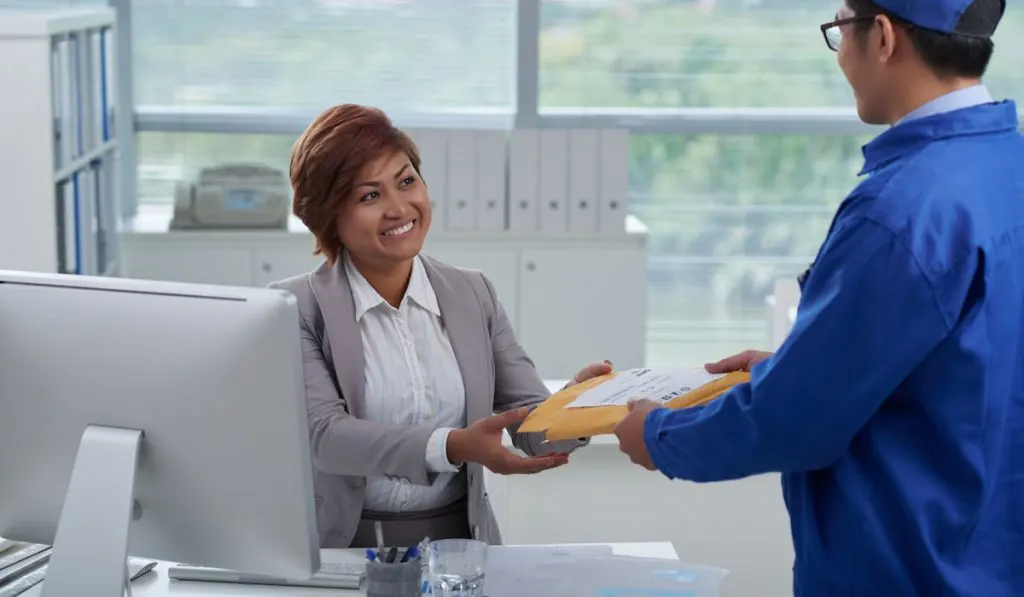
x,y
412,378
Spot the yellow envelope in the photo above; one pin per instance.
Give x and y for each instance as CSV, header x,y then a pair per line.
x,y
558,422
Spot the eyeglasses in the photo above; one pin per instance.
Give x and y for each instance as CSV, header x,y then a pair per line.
x,y
833,33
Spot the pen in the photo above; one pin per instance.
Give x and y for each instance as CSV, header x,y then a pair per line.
x,y
411,554
392,554
370,555
378,529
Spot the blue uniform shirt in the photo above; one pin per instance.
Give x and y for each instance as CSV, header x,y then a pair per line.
x,y
895,407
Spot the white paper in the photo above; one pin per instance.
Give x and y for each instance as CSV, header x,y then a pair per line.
x,y
660,385
514,571
636,577
583,571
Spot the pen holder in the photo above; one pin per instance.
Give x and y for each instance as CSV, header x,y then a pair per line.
x,y
398,579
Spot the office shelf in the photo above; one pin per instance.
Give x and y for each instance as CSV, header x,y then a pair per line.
x,y
58,211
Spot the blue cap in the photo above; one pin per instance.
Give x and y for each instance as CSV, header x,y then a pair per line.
x,y
942,16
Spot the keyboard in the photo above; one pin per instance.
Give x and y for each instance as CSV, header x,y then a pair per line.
x,y
332,575
341,569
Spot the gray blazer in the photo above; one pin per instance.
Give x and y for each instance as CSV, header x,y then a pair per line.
x,y
346,449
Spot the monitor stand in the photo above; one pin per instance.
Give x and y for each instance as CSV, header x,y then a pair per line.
x,y
90,550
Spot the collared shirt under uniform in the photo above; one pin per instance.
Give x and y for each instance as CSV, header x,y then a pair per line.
x,y
895,408
412,378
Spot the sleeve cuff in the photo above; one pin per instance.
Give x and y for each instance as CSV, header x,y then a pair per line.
x,y
677,462
437,452
652,425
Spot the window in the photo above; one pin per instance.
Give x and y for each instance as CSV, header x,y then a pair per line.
x,y
728,215
710,53
400,55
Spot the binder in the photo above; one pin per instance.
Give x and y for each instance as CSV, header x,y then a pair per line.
x,y
583,180
108,90
557,422
462,195
64,101
87,92
523,180
614,180
491,171
433,151
554,180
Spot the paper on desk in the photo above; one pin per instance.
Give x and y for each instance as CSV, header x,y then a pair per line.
x,y
638,577
660,385
514,571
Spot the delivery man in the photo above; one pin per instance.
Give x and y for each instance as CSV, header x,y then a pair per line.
x,y
895,408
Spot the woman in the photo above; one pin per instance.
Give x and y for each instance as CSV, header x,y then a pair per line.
x,y
406,358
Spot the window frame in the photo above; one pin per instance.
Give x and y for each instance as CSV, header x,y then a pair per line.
x,y
525,114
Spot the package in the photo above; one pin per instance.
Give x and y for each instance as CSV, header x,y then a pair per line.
x,y
558,419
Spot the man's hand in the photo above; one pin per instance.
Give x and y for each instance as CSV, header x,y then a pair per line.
x,y
587,372
743,361
591,370
481,443
630,432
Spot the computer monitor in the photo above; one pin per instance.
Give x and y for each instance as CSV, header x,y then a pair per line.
x,y
178,407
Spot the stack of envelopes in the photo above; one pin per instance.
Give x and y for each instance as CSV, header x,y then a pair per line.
x,y
558,421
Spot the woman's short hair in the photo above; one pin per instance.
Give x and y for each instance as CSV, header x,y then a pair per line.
x,y
326,159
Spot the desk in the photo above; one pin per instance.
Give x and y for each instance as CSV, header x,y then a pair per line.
x,y
156,583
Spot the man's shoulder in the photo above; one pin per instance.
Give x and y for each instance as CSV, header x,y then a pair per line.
x,y
951,179
942,208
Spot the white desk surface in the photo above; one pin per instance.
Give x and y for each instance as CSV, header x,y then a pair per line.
x,y
157,584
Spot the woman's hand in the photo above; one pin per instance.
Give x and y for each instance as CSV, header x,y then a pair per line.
x,y
591,370
481,443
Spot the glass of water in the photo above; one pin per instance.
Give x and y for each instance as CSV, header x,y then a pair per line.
x,y
456,567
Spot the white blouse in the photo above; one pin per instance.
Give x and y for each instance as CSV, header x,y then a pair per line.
x,y
412,378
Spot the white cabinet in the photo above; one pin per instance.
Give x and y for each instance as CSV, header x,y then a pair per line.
x,y
273,263
599,293
499,264
572,298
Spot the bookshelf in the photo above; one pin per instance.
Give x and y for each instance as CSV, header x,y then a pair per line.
x,y
59,206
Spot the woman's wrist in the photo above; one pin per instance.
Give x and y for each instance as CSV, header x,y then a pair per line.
x,y
455,447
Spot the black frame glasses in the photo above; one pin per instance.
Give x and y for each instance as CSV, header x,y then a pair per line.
x,y
833,34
